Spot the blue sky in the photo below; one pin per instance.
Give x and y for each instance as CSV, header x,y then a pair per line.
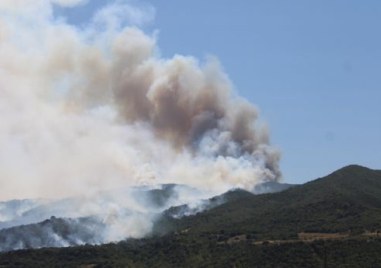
x,y
313,68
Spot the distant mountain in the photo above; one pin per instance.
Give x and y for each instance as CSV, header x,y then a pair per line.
x,y
53,232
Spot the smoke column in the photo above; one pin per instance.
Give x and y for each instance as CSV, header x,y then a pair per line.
x,y
95,107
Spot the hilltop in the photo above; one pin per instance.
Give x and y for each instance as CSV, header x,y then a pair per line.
x,y
348,200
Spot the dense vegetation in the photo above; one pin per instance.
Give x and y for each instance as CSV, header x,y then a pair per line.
x,y
177,251
250,231
348,200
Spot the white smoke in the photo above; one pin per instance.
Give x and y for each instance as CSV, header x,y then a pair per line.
x,y
93,219
95,108
85,109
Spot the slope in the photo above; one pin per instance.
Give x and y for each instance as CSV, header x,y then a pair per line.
x,y
348,200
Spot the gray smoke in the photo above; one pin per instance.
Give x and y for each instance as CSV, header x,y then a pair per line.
x,y
95,108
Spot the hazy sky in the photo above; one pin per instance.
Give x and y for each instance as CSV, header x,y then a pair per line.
x,y
313,68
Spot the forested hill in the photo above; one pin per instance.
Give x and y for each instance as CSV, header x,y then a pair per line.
x,y
348,200
334,221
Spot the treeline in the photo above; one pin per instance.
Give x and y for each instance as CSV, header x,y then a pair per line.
x,y
185,251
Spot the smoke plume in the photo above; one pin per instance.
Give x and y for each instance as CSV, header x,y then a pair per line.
x,y
94,107
89,108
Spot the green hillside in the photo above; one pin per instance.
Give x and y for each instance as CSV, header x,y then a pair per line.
x,y
348,200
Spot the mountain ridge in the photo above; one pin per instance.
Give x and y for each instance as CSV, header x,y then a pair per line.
x,y
336,202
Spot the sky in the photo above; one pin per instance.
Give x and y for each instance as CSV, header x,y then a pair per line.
x,y
311,67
